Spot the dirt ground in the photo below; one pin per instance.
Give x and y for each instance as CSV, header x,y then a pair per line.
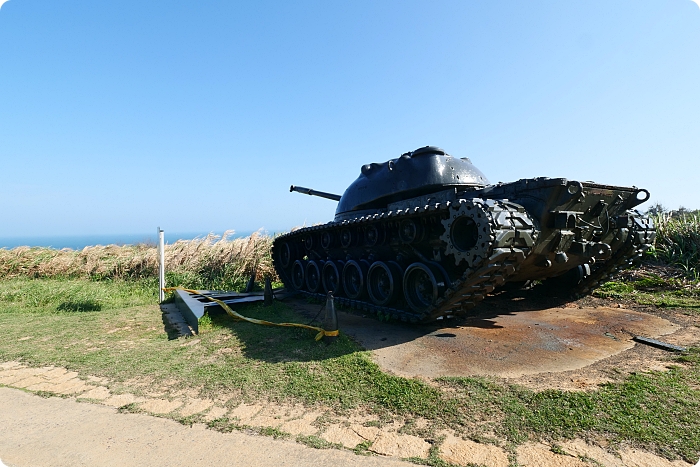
x,y
536,341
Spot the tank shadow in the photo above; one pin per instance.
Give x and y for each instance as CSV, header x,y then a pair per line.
x,y
510,334
279,344
274,344
373,334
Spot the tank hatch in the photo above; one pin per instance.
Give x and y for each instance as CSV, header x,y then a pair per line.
x,y
415,173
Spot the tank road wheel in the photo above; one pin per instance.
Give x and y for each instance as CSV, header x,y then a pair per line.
x,y
309,242
468,233
373,236
354,275
330,276
383,282
421,286
346,238
285,255
326,240
298,269
313,276
409,231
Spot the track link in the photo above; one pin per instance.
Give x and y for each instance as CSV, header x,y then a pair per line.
x,y
510,235
640,237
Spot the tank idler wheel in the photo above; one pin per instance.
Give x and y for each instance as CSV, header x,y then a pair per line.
x,y
313,275
285,254
422,285
298,269
354,278
330,276
383,282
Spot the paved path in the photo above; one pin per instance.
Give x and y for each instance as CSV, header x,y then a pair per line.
x,y
54,432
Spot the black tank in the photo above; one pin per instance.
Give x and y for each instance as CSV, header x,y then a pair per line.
x,y
425,236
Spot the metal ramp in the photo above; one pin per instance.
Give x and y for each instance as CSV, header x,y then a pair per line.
x,y
193,306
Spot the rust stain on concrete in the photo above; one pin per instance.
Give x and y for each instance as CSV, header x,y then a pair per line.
x,y
515,344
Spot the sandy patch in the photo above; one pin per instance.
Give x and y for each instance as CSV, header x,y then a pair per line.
x,y
120,400
215,412
338,434
540,455
464,452
396,445
194,406
160,406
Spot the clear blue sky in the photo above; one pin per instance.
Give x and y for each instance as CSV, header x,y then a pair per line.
x,y
117,117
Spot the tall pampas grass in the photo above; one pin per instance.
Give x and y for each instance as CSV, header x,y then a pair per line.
x,y
678,241
210,262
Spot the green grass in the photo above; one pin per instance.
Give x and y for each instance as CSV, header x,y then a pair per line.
x,y
654,290
24,295
114,330
657,410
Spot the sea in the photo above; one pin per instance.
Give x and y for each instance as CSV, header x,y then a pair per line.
x,y
78,242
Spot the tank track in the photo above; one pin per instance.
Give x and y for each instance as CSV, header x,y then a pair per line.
x,y
511,234
640,237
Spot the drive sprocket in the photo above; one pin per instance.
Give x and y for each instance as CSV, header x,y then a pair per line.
x,y
468,232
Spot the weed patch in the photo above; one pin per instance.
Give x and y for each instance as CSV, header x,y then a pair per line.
x,y
317,443
653,290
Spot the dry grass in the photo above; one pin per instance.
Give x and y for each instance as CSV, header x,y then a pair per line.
x,y
209,262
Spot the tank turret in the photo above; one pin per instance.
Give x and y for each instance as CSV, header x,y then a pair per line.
x,y
415,173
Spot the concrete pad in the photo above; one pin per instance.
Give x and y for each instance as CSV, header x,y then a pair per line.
x,y
507,344
466,452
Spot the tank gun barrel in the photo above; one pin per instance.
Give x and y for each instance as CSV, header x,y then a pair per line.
x,y
309,191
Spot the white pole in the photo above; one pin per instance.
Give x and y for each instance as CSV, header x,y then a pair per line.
x,y
161,264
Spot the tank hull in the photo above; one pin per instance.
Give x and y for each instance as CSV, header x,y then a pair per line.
x,y
441,253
